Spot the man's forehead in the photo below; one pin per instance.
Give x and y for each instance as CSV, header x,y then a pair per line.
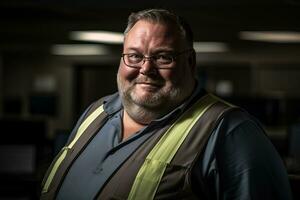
x,y
143,30
168,28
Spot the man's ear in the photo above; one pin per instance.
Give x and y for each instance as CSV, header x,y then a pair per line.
x,y
192,60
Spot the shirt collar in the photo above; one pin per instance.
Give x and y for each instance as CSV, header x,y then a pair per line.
x,y
112,103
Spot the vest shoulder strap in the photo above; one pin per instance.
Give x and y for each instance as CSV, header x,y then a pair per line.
x,y
149,176
93,120
174,179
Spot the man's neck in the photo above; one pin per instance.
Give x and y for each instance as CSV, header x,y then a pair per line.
x,y
130,126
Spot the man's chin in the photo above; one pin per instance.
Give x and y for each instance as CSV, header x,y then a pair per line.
x,y
146,100
143,95
147,103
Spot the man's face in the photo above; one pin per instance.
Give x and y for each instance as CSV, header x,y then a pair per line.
x,y
149,87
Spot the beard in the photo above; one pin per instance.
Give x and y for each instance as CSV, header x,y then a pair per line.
x,y
153,105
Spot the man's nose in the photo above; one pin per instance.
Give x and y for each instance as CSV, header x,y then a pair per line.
x,y
148,66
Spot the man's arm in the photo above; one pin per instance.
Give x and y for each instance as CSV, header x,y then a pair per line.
x,y
240,163
249,167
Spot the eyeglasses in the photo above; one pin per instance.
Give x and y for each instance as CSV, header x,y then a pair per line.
x,y
161,60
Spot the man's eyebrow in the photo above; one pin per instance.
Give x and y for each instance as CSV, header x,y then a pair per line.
x,y
169,51
163,49
132,49
155,51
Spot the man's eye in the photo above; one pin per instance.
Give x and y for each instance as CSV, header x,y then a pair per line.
x,y
164,57
134,56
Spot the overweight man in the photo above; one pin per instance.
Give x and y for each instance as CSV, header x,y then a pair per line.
x,y
162,136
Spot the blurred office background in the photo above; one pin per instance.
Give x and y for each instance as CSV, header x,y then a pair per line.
x,y
56,57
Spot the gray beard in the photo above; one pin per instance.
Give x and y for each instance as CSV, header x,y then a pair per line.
x,y
146,110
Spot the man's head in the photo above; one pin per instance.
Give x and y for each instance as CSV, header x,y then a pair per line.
x,y
162,16
152,87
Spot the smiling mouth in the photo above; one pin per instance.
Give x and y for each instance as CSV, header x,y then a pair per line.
x,y
153,84
149,86
148,83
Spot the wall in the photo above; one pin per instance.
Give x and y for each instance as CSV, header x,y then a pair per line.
x,y
21,77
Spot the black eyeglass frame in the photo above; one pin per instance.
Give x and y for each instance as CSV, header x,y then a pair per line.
x,y
173,56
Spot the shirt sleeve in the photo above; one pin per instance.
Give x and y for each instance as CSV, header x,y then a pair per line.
x,y
240,163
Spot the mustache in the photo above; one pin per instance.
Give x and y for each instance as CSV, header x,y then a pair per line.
x,y
148,81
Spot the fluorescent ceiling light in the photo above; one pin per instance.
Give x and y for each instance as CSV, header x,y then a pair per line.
x,y
98,36
271,36
79,49
210,47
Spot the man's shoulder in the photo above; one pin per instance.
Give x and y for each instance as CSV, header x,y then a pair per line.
x,y
225,109
238,119
231,116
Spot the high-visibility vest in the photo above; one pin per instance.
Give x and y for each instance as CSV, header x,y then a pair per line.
x,y
162,152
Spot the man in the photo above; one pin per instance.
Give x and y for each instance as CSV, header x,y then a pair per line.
x,y
162,136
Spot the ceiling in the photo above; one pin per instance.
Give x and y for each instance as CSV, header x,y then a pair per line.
x,y
34,25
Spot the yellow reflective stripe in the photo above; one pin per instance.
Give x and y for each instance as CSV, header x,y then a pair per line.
x,y
147,180
152,170
54,168
85,124
64,150
168,146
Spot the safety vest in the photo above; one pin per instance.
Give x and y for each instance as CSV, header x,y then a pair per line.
x,y
159,168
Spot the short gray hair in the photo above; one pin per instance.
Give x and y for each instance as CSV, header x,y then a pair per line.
x,y
162,16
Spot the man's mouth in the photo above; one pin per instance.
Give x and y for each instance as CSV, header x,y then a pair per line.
x,y
150,86
149,83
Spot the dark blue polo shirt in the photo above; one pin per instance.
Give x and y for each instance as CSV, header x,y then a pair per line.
x,y
239,162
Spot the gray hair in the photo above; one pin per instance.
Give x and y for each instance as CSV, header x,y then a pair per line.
x,y
162,16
